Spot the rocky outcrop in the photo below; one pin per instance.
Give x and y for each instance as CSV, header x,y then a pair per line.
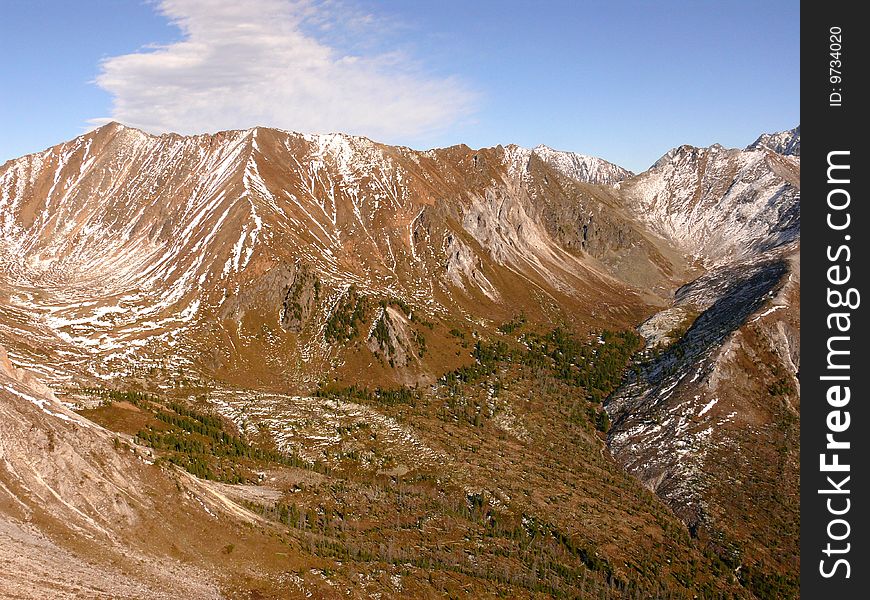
x,y
300,298
392,339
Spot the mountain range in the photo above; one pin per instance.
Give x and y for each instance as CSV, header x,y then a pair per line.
x,y
257,361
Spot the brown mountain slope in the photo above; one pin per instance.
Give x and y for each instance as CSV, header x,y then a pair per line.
x,y
121,240
83,511
85,514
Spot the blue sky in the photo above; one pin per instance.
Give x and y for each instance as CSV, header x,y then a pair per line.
x,y
624,80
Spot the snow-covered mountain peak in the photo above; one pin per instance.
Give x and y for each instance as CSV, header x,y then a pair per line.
x,y
677,154
787,142
719,203
582,167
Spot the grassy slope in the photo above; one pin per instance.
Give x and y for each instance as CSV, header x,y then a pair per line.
x,y
525,502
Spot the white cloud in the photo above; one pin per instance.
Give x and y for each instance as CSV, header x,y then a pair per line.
x,y
242,63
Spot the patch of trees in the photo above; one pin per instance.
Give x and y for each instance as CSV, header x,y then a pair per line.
x,y
199,443
514,324
523,552
136,398
780,387
594,366
398,303
420,341
597,366
381,333
362,394
768,585
487,356
347,317
294,310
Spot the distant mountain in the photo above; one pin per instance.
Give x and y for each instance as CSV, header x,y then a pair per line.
x,y
357,351
581,167
787,143
719,204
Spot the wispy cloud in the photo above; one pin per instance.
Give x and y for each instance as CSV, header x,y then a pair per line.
x,y
242,63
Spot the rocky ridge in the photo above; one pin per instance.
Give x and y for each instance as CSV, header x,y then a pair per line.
x,y
716,394
787,143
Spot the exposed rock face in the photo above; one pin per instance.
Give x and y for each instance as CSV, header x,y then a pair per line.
x,y
392,339
300,299
464,268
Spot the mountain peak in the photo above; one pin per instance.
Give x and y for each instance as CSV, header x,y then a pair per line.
x,y
786,142
116,126
582,167
675,153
